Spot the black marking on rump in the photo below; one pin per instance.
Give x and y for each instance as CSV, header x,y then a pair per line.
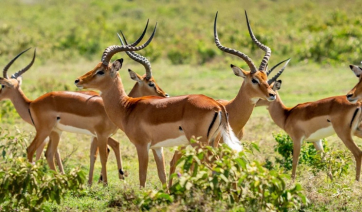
x,y
354,116
108,150
328,120
31,117
212,123
180,128
121,172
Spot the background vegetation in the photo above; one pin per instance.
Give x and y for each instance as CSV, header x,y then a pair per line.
x,y
322,38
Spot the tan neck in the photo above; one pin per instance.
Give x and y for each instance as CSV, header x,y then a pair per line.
x,y
278,112
135,91
22,104
115,101
240,109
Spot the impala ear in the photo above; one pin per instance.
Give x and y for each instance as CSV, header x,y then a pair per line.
x,y
277,85
238,71
356,70
134,76
116,65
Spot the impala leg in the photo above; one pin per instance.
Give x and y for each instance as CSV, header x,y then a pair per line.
x,y
160,162
115,147
173,163
345,136
39,150
92,158
358,132
297,142
58,159
37,141
103,152
142,152
52,149
319,146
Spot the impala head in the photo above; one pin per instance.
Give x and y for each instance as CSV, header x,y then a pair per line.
x,y
146,85
9,85
256,79
356,93
273,82
275,86
105,72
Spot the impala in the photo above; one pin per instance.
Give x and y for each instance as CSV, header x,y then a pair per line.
x,y
356,93
313,121
255,86
153,122
79,112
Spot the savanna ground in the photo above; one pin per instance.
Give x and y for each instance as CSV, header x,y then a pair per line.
x,y
321,38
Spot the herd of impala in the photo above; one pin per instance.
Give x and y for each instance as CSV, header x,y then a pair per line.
x,y
152,121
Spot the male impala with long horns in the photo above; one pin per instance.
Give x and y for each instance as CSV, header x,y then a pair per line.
x,y
78,112
254,87
153,122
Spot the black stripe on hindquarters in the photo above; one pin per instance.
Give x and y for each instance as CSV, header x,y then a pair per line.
x,y
212,123
354,116
31,117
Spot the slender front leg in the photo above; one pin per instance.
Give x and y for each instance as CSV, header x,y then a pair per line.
x,y
160,162
297,142
142,152
103,152
92,158
345,136
115,147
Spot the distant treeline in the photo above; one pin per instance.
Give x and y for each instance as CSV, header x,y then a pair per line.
x,y
327,32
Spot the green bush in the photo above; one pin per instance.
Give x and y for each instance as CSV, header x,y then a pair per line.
x,y
26,186
334,162
284,147
7,112
178,56
222,175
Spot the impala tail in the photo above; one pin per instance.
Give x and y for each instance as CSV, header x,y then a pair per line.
x,y
224,130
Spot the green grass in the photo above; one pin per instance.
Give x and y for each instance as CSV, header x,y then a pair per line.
x,y
300,84
322,39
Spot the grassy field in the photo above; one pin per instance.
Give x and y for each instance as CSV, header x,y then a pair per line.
x,y
322,39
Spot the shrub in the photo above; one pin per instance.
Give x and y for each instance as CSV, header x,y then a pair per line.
x,y
26,186
222,175
334,162
284,147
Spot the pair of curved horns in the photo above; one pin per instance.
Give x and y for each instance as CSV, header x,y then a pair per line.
x,y
264,62
136,57
275,77
111,50
22,71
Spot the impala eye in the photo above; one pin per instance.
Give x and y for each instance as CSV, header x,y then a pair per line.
x,y
2,86
151,84
100,73
254,81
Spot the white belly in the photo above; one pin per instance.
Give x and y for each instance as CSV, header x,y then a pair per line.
x,y
179,141
321,133
71,129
